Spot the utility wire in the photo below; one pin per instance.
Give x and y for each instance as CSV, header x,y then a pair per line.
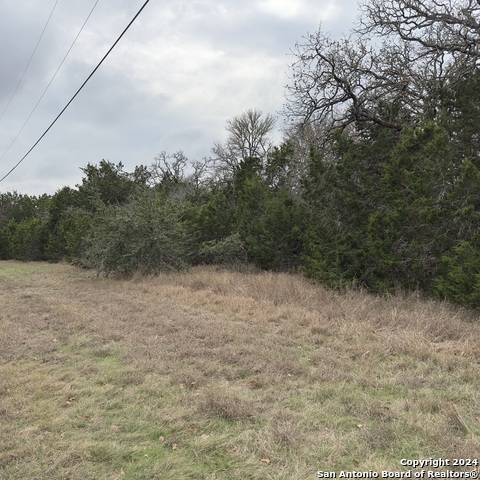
x,y
29,62
77,92
50,82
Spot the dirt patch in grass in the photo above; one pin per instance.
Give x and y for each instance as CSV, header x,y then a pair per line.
x,y
215,374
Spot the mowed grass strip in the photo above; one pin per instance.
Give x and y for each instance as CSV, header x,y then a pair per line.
x,y
216,374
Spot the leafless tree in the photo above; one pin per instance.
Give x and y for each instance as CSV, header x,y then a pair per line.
x,y
177,169
248,137
392,80
302,138
341,82
249,134
169,167
445,34
451,26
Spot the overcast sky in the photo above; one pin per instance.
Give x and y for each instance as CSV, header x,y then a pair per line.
x,y
181,71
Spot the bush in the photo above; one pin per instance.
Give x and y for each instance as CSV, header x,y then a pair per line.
x,y
227,251
145,235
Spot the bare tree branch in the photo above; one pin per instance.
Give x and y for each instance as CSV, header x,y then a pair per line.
x,y
392,71
342,82
451,26
169,168
248,137
248,134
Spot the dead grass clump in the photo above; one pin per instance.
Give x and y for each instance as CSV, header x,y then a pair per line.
x,y
287,432
456,420
132,378
378,436
226,405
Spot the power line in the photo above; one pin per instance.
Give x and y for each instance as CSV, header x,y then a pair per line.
x,y
29,61
50,82
77,92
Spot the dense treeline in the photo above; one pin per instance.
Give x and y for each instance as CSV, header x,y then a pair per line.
x,y
377,183
158,218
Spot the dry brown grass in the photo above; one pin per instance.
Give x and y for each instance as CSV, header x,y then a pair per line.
x,y
216,374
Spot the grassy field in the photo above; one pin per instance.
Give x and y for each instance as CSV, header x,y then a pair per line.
x,y
211,374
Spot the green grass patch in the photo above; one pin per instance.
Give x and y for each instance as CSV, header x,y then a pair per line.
x,y
95,415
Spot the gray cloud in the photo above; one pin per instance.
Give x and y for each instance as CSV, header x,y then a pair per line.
x,y
182,70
